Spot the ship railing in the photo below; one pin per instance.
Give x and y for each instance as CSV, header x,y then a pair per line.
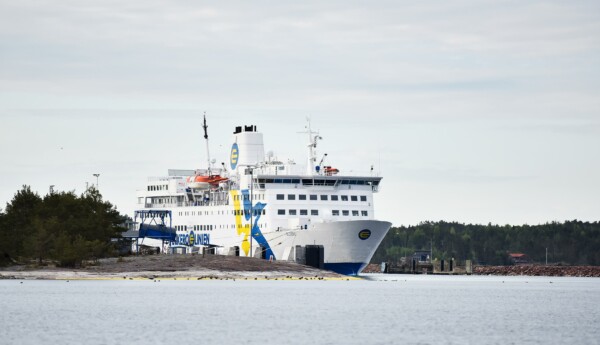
x,y
164,205
343,182
207,203
292,228
163,178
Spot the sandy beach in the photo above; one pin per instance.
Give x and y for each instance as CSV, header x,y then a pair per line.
x,y
190,267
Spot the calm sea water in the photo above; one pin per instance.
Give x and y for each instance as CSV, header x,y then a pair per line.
x,y
389,309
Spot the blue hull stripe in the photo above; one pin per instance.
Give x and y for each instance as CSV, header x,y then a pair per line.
x,y
346,268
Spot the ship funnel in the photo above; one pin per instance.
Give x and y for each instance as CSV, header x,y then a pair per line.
x,y
247,148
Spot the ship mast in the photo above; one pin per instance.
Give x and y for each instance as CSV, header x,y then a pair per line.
x,y
312,149
207,149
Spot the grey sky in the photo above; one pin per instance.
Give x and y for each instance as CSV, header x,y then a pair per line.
x,y
473,111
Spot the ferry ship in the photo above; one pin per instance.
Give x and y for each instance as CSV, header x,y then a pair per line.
x,y
258,206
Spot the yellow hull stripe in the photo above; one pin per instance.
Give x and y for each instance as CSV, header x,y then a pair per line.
x,y
241,228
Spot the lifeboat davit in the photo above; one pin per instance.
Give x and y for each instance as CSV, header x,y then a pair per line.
x,y
204,181
330,171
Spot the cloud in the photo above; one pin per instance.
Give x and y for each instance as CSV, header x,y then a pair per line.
x,y
455,91
178,47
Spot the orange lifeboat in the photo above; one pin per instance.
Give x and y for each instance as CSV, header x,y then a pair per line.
x,y
330,171
205,181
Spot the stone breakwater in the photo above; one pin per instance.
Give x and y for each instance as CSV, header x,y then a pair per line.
x,y
522,270
539,270
372,268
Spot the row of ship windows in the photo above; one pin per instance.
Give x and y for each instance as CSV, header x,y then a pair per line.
x,y
319,182
234,212
214,227
247,197
282,212
195,227
322,197
160,187
206,213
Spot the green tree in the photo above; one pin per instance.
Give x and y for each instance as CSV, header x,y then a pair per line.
x,y
37,245
17,223
61,226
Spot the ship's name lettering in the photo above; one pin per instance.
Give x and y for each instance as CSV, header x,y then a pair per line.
x,y
192,239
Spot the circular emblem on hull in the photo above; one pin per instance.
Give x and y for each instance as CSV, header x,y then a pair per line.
x,y
233,157
364,234
191,239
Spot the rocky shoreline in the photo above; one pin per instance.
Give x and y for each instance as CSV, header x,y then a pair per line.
x,y
539,270
182,267
522,270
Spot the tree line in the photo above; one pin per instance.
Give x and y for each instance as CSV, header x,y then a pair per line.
x,y
61,226
570,242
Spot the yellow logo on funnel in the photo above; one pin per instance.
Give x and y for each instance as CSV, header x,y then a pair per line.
x,y
235,151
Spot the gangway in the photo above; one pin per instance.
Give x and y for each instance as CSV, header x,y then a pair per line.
x,y
155,224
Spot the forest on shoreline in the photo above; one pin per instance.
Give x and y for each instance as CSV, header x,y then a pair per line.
x,y
570,243
61,226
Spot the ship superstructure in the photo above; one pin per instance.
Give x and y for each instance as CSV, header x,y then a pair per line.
x,y
258,206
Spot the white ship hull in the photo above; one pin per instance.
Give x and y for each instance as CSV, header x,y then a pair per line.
x,y
345,251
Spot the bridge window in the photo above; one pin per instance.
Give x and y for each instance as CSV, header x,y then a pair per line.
x,y
313,197
364,213
280,197
344,198
291,196
281,212
335,212
334,198
302,197
354,198
304,212
314,212
324,197
363,198
345,213
292,212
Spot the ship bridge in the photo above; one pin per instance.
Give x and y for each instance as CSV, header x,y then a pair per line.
x,y
310,181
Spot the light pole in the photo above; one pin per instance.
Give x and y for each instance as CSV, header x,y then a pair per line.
x,y
97,186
